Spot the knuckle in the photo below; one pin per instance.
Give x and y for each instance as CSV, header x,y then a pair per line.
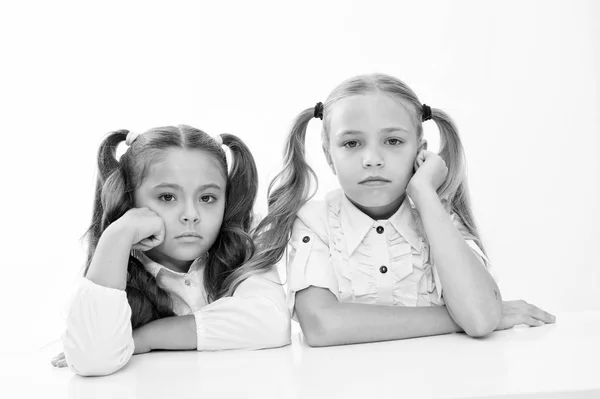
x,y
530,308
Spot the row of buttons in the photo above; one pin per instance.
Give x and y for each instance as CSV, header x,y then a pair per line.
x,y
305,239
379,230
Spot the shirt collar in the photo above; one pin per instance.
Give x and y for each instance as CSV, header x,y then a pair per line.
x,y
155,268
356,225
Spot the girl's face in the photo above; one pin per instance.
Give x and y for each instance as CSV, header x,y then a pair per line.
x,y
373,147
187,190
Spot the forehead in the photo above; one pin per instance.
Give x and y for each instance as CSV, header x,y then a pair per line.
x,y
186,168
368,112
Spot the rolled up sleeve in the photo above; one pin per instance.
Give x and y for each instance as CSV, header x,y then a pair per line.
x,y
98,339
308,263
255,317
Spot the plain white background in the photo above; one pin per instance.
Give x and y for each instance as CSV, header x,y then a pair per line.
x,y
521,79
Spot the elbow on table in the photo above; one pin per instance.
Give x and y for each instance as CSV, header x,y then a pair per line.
x,y
279,330
484,324
317,328
94,360
273,324
92,363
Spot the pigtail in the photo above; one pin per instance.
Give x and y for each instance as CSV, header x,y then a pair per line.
x,y
242,182
289,190
234,246
454,192
146,299
112,199
112,196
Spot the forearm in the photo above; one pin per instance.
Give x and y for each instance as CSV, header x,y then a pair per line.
x,y
109,264
170,333
470,292
336,323
242,323
98,338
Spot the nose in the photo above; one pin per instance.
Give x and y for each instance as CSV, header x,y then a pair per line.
x,y
190,213
372,158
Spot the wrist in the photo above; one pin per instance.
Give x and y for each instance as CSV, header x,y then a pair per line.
x,y
122,232
142,338
421,193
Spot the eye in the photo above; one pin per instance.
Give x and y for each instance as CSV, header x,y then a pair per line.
x,y
167,197
351,144
208,199
394,141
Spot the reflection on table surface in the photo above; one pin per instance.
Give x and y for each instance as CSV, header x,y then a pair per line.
x,y
553,361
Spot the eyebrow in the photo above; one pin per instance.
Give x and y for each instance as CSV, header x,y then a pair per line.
x,y
178,187
384,130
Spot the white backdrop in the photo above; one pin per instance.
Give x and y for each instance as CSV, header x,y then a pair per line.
x,y
521,79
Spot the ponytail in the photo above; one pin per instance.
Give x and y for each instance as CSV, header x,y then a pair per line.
x,y
287,193
454,191
108,173
234,245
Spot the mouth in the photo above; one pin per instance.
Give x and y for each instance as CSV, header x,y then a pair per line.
x,y
374,180
189,234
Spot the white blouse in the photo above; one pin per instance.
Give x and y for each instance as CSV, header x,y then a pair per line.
x,y
99,341
386,262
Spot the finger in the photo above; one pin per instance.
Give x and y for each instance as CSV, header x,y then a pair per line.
x,y
541,315
419,160
62,363
426,154
161,234
150,242
530,321
154,241
141,247
146,242
59,356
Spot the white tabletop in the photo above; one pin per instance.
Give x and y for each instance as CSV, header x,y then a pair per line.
x,y
554,361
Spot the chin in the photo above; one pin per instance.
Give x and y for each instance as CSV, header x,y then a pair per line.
x,y
373,200
186,255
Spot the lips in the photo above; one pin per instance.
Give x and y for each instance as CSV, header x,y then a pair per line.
x,y
374,180
189,234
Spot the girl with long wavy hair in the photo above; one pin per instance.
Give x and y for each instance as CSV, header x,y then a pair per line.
x,y
170,233
395,253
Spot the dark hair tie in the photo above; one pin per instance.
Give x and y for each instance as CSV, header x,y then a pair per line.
x,y
318,113
425,113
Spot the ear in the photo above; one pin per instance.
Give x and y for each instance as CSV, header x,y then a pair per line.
x,y
422,147
329,160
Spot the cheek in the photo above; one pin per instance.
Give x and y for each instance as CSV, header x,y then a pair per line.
x,y
213,217
342,159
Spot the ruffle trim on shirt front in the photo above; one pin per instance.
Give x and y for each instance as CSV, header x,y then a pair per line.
x,y
357,277
430,281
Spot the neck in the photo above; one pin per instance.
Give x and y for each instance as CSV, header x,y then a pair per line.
x,y
176,265
381,212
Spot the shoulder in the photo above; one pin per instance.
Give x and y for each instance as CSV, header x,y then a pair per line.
x,y
314,215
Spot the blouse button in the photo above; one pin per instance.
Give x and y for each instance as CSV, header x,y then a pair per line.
x,y
383,269
380,230
306,239
187,282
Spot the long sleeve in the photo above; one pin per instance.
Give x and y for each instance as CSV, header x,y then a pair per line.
x,y
98,340
255,317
